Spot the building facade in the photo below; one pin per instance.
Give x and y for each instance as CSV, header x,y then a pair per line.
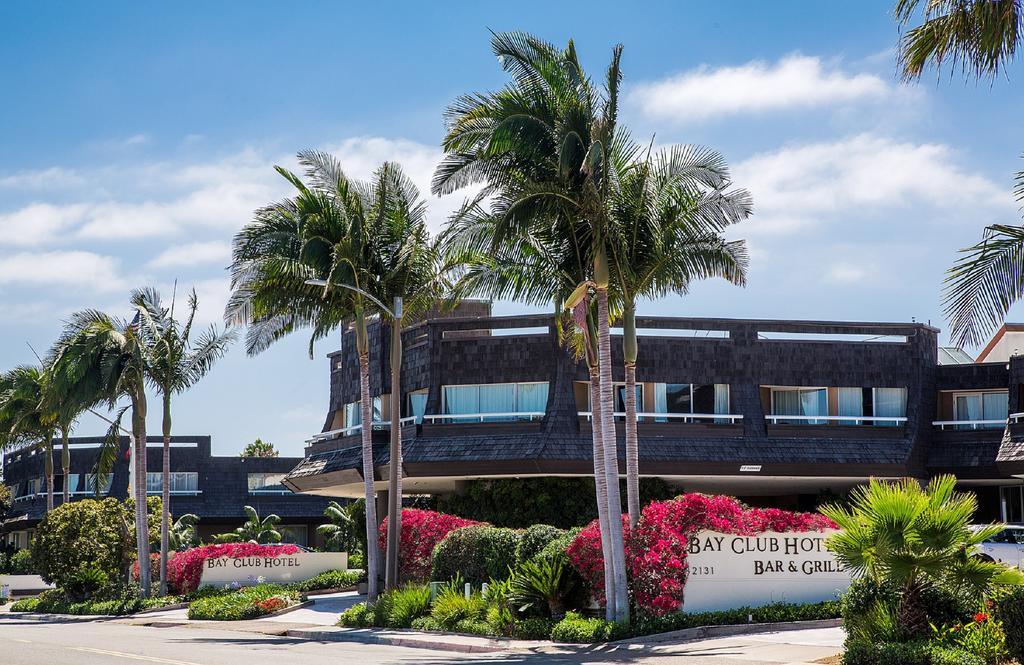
x,y
214,488
775,412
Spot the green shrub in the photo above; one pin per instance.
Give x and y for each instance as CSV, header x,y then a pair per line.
x,y
862,652
1009,609
558,545
542,586
476,553
534,539
426,623
577,629
86,581
451,606
332,579
25,605
533,628
870,609
408,603
113,600
357,616
953,656
774,613
356,560
20,563
246,603
473,627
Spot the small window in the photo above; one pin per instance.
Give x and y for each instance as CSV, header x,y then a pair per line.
x,y
802,402
269,483
90,483
180,482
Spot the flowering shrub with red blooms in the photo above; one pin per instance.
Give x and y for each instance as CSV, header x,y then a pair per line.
x,y
186,568
656,549
272,604
154,567
421,531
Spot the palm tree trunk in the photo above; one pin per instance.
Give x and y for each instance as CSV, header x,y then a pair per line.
x,y
629,352
601,486
48,465
611,458
65,460
141,509
395,464
366,432
165,495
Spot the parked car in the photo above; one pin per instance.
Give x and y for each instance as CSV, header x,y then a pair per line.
x,y
1007,546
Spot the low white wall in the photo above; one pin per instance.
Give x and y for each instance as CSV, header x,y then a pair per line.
x,y
282,569
17,584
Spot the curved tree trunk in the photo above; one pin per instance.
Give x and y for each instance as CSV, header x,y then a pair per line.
x,y
366,408
65,460
395,463
48,465
165,495
629,352
611,458
141,510
601,486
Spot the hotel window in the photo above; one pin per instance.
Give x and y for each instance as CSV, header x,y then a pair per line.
x,y
690,398
181,481
90,483
418,404
1011,504
495,398
976,406
71,482
354,412
889,403
295,534
269,483
807,402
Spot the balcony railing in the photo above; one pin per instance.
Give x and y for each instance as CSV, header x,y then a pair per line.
x,y
1015,418
483,417
348,431
779,419
720,418
969,424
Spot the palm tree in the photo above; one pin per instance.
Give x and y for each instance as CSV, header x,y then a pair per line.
x,y
546,146
338,532
369,243
977,36
174,363
100,358
901,533
25,416
184,532
986,280
668,214
254,529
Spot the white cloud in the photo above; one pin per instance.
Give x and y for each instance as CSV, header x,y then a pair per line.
x,y
74,269
803,186
794,82
39,223
192,254
49,178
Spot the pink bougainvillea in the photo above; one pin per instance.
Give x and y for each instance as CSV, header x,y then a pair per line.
x,y
656,550
185,569
421,531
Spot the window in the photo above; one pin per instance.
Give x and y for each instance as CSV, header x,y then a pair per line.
x,y
32,485
495,398
268,483
296,534
418,404
976,406
1011,504
71,482
691,398
889,403
181,481
354,413
800,402
90,483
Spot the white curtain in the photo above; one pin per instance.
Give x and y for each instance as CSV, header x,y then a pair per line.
x,y
786,403
498,398
995,406
890,403
533,397
814,403
851,403
461,399
722,401
354,412
661,400
418,405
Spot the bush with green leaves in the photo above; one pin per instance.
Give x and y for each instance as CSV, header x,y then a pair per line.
x,y
542,587
1009,609
19,563
246,603
451,606
534,539
475,553
331,579
578,629
358,616
397,608
533,628
89,534
114,600
644,624
870,609
558,545
919,652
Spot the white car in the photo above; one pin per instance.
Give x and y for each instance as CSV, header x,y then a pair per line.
x,y
1007,546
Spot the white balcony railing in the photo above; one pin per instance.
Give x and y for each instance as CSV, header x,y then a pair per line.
x,y
779,419
348,431
730,418
1015,418
483,417
969,424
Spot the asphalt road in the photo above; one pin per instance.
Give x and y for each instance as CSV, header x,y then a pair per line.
x,y
28,642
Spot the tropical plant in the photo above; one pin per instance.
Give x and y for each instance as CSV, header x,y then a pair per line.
x,y
668,213
339,532
184,533
546,148
542,585
368,242
25,417
100,358
174,363
900,533
980,37
259,448
254,530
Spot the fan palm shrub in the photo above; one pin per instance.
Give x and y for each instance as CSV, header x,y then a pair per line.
x,y
253,530
542,586
898,533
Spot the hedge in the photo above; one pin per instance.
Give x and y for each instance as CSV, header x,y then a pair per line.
x,y
534,539
774,613
861,652
56,601
476,553
246,603
1010,610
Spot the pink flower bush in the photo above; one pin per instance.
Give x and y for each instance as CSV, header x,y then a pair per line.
x,y
421,531
656,550
185,569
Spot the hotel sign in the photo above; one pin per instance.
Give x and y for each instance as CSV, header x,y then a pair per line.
x,y
279,569
729,571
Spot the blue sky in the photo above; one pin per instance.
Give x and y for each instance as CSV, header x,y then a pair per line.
x,y
138,137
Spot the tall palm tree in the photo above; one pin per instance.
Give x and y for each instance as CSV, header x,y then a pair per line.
x,y
101,359
174,363
668,214
979,37
25,416
362,239
545,147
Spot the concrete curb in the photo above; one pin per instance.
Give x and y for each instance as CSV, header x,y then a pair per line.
x,y
406,638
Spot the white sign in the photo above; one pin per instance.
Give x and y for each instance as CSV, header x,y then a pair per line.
x,y
280,569
729,571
